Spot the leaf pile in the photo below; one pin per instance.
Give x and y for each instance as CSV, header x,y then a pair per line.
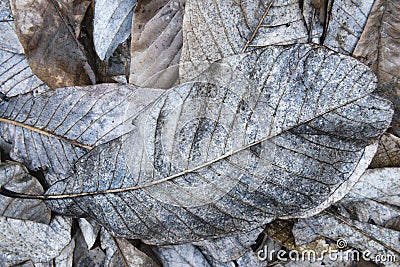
x,y
198,133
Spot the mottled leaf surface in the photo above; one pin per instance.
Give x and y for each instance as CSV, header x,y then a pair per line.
x,y
186,255
388,153
52,130
46,30
156,42
345,24
286,138
112,25
379,48
15,177
216,29
16,76
362,217
24,240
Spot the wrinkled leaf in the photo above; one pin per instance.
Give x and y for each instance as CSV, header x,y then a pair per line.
x,y
216,29
24,240
112,25
362,216
15,177
379,48
388,153
52,130
16,76
346,21
46,29
119,252
156,41
230,247
286,137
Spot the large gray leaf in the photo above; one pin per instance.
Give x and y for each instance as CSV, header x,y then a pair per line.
x,y
156,41
112,25
287,136
47,30
379,48
363,218
388,153
16,76
15,177
24,240
52,130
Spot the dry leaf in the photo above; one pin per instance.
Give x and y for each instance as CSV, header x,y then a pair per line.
x,y
46,31
218,158
388,153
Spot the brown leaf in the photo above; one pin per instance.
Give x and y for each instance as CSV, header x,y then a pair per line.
x,y
379,48
47,29
388,153
156,41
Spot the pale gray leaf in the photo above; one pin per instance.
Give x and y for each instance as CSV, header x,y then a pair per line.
x,y
52,130
378,48
16,76
186,255
296,129
346,24
388,153
90,230
66,257
83,256
314,12
156,41
250,259
27,240
216,29
230,247
112,25
15,177
119,252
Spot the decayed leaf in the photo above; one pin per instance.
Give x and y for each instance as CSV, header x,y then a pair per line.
x,y
286,138
15,177
315,14
388,153
362,216
66,257
112,25
119,252
46,31
156,41
230,247
52,130
27,240
83,256
346,21
379,48
216,29
186,255
16,76
89,230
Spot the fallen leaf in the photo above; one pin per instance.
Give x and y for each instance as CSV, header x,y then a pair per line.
x,y
16,76
119,252
45,29
345,24
230,247
186,255
361,217
50,131
15,177
94,257
156,42
217,29
286,137
388,153
66,257
378,48
89,230
27,240
112,25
